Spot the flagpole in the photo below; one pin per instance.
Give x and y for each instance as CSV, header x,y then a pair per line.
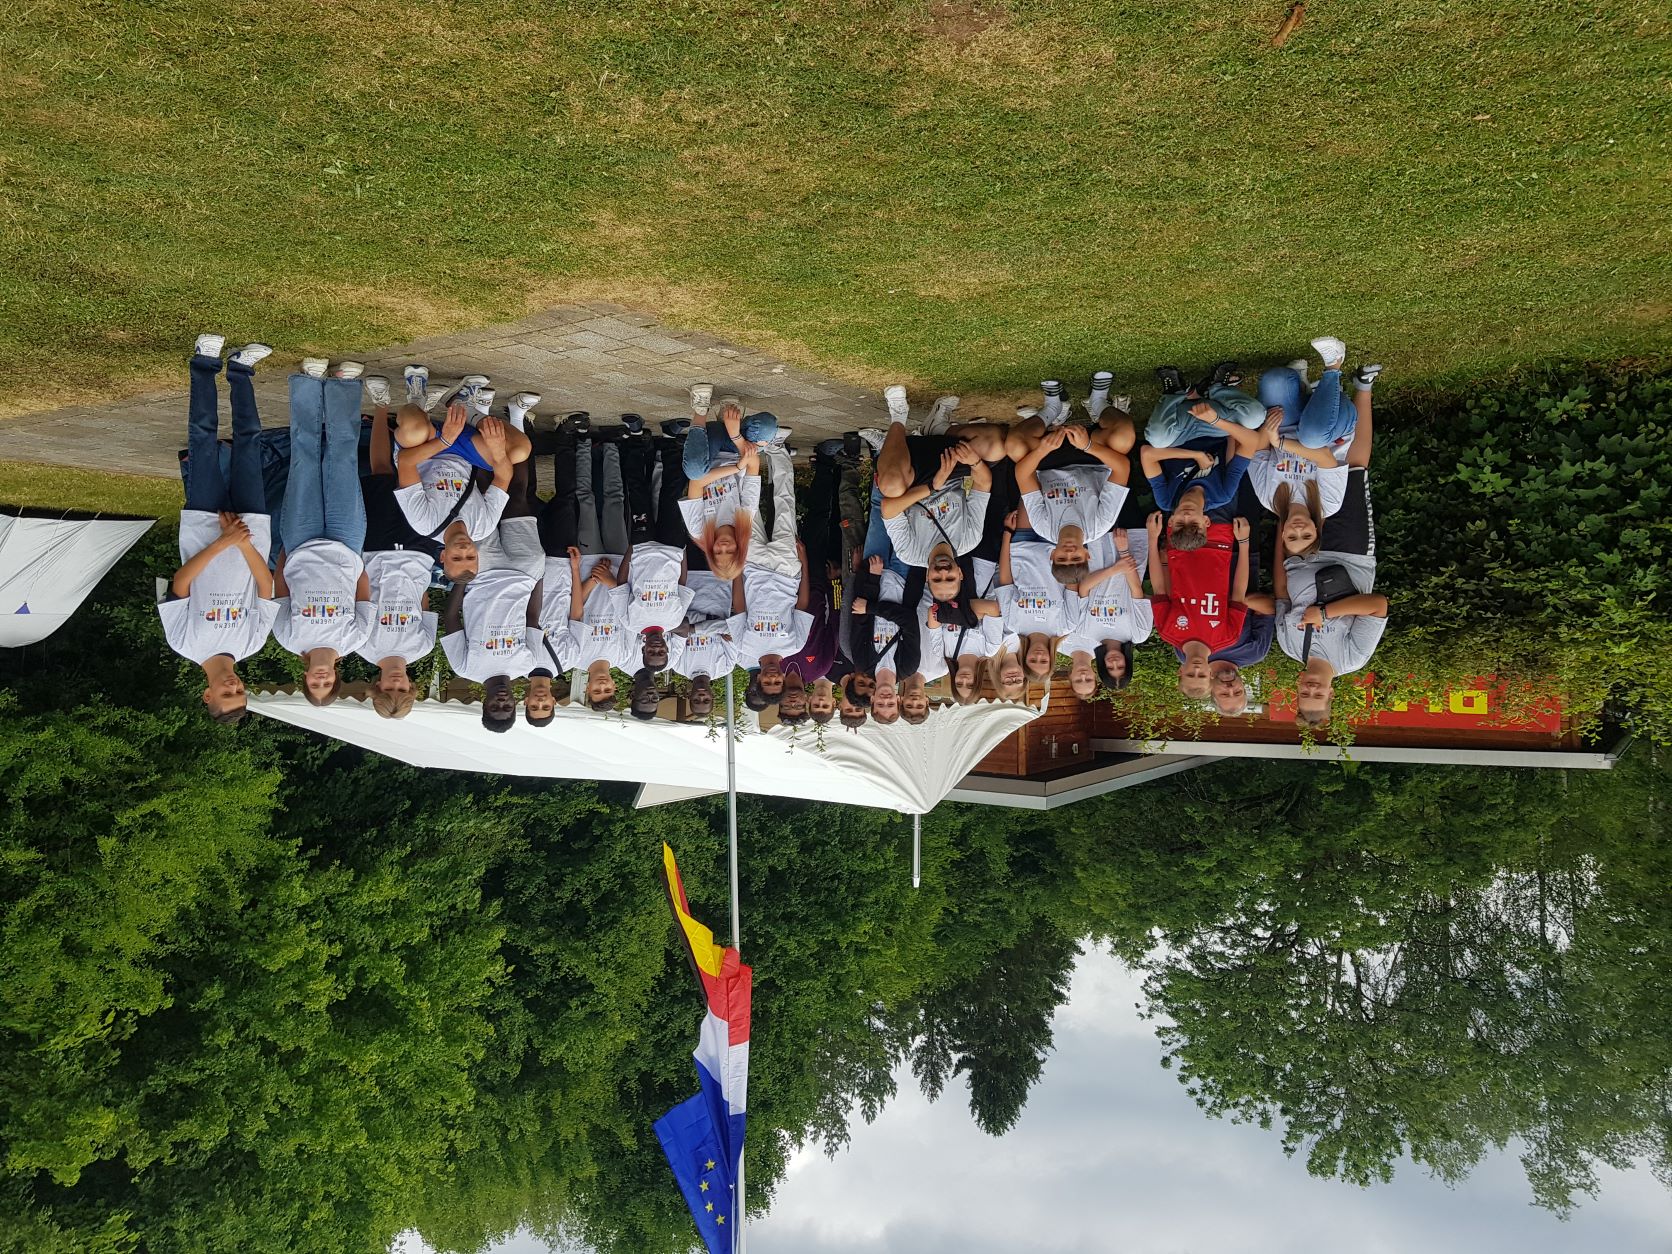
x,y
740,1242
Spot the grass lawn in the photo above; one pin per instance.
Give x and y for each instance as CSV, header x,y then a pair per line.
x,y
966,195
58,487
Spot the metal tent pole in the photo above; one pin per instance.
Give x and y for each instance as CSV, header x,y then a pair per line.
x,y
916,850
740,1241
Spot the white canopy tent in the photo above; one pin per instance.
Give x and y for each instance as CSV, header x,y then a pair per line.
x,y
49,565
898,767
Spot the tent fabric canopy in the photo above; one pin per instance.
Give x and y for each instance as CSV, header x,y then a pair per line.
x,y
899,767
48,566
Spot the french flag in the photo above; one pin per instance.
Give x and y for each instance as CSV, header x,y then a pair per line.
x,y
703,1135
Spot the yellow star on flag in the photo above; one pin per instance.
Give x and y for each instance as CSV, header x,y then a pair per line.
x,y
703,1186
709,1165
719,1219
710,1206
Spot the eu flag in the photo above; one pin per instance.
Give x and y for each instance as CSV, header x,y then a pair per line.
x,y
702,1167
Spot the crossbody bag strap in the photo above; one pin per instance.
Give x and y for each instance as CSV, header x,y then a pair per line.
x,y
458,508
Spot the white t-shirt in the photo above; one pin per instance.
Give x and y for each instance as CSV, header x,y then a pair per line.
x,y
601,633
720,501
710,597
1075,496
221,613
496,639
1111,612
657,599
321,612
706,651
1346,642
1036,601
556,589
770,623
441,481
960,515
400,626
1270,468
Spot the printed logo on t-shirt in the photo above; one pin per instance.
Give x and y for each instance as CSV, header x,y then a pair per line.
x,y
654,596
448,483
1030,601
943,507
1062,492
326,607
1181,622
396,618
602,631
767,626
1108,610
502,640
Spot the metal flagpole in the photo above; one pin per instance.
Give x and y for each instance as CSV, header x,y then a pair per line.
x,y
916,850
740,1242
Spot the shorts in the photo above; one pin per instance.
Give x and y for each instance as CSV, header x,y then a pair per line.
x,y
465,447
386,524
1067,455
1352,528
514,545
926,453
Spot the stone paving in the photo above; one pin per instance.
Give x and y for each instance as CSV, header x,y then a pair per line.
x,y
594,356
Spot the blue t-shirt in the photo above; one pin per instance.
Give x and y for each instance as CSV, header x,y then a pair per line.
x,y
1220,486
1251,647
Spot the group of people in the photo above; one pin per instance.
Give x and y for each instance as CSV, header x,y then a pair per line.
x,y
988,557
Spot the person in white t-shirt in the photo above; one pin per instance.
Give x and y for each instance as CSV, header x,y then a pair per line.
x,y
769,622
702,652
723,492
1034,605
1073,484
1331,634
1288,477
219,606
324,596
490,631
437,488
600,642
1114,615
939,514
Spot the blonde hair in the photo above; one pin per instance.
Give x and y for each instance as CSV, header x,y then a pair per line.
x,y
743,527
995,668
392,704
1281,501
983,682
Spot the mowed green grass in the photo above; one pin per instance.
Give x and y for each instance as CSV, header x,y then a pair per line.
x,y
966,196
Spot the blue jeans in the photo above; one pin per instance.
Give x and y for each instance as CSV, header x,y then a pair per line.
x,y
1317,422
709,446
877,543
208,486
323,495
1171,423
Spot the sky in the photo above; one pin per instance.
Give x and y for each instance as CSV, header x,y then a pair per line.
x,y
1111,1156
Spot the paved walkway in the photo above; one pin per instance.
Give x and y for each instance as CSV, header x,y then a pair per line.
x,y
595,356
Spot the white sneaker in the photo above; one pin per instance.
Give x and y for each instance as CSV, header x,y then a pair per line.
x,y
464,390
725,401
250,354
314,367
702,398
520,404
376,387
779,443
899,410
481,401
1098,399
430,398
1122,403
940,416
417,378
209,345
1332,350
873,437
349,370
1055,412
1026,412
1301,366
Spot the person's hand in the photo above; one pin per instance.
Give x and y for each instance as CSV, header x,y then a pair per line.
x,y
1312,617
574,558
1052,439
234,530
1013,520
966,453
1207,413
948,463
1079,437
932,619
1239,528
1126,564
875,565
492,431
1122,536
1202,459
1274,420
747,448
859,605
1155,522
731,413
452,427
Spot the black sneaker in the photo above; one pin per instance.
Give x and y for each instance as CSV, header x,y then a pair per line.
x,y
676,427
829,448
852,445
634,423
1226,374
1365,376
578,423
1172,380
